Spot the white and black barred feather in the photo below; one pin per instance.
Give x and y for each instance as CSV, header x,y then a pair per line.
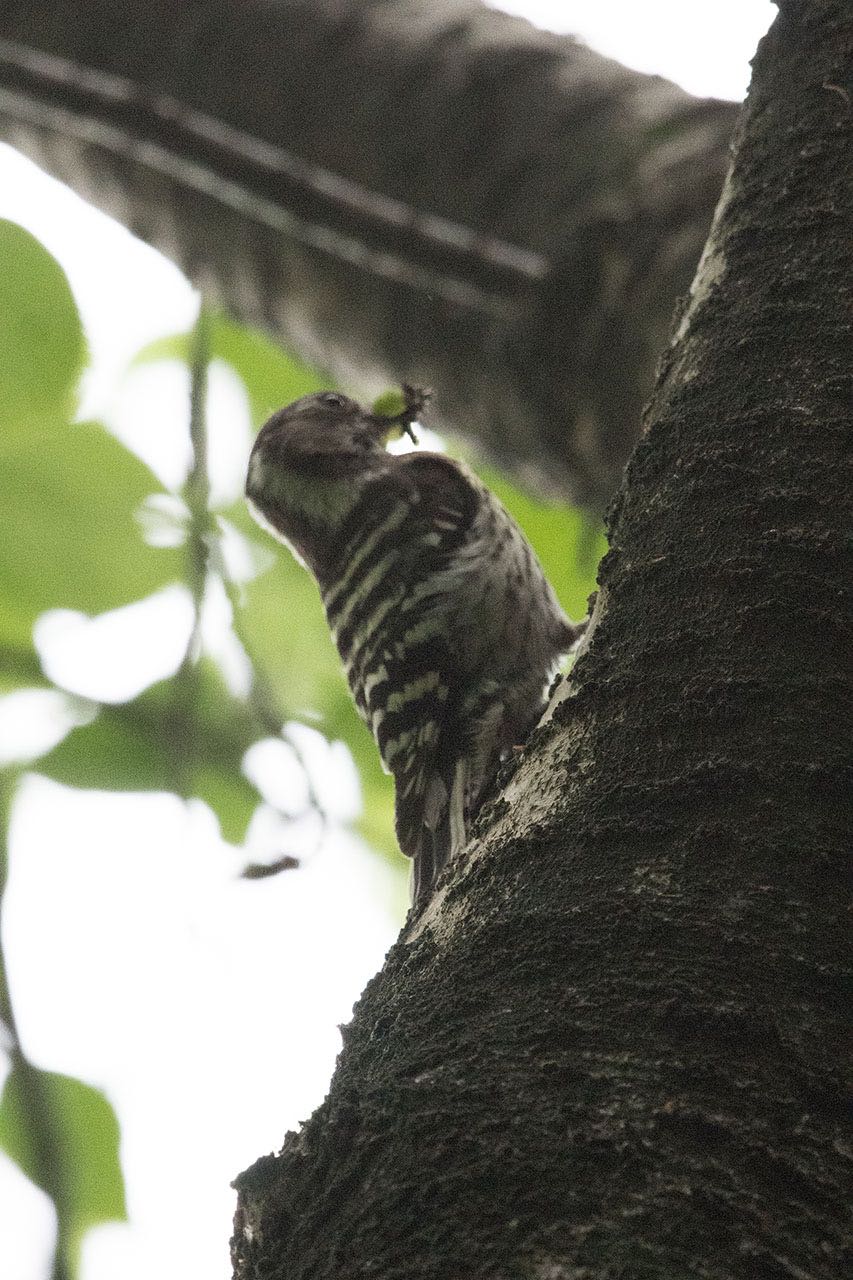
x,y
446,626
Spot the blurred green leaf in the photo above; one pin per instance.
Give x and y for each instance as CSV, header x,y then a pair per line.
x,y
271,377
376,822
282,617
71,539
75,1157
19,667
285,628
187,735
229,794
42,346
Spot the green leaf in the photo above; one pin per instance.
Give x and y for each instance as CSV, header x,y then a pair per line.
x,y
376,821
229,794
288,636
271,377
71,538
19,667
187,735
42,346
286,632
64,1135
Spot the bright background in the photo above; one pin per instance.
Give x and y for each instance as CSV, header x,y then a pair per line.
x,y
132,972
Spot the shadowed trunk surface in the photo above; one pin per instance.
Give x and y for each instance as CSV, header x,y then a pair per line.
x,y
396,189
611,1046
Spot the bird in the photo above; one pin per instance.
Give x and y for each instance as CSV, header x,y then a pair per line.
x,y
447,628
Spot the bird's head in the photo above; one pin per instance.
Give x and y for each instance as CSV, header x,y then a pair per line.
x,y
312,458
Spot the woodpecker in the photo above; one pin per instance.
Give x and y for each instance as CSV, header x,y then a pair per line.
x,y
447,628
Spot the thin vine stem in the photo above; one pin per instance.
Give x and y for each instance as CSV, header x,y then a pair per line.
x,y
201,534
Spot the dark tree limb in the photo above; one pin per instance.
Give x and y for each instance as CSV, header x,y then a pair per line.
x,y
397,189
612,1046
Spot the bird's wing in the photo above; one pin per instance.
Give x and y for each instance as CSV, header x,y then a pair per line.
x,y
410,696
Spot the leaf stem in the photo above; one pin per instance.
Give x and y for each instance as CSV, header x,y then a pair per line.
x,y
197,485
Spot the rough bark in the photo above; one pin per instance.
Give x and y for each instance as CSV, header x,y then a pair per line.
x,y
611,1047
396,188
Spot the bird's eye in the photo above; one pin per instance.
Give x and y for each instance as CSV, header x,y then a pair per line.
x,y
333,400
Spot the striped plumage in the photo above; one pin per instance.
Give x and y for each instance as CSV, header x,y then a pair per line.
x,y
445,623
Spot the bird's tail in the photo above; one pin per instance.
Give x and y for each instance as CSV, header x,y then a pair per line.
x,y
431,826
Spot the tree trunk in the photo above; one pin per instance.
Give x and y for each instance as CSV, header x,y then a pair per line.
x,y
610,1046
396,188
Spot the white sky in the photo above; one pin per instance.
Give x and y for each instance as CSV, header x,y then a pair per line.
x,y
138,961
704,45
